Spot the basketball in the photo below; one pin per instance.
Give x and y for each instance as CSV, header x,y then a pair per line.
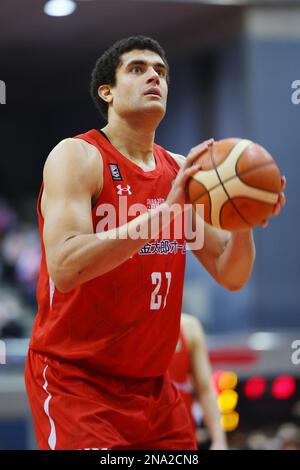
x,y
239,184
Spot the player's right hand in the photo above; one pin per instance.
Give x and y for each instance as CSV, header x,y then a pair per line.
x,y
178,193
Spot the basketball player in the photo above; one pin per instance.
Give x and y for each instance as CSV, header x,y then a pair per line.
x,y
191,374
109,307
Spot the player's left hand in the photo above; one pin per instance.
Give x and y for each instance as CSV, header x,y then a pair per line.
x,y
280,204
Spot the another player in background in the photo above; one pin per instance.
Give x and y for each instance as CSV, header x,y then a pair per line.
x,y
190,372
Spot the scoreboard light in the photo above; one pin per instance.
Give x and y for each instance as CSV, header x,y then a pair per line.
x,y
224,383
283,387
230,421
227,401
227,380
255,387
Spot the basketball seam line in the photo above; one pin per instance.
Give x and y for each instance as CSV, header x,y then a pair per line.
x,y
210,207
235,176
221,182
235,197
245,172
251,199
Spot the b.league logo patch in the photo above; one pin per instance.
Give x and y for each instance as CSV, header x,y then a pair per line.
x,y
115,172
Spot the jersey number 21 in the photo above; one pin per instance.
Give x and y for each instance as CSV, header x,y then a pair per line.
x,y
157,297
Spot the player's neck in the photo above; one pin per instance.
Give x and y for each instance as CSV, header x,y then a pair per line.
x,y
135,142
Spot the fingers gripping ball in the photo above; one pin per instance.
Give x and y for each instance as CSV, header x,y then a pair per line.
x,y
239,183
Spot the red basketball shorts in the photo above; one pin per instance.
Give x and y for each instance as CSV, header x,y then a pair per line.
x,y
76,408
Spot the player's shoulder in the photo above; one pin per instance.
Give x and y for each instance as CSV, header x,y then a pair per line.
x,y
76,148
180,159
73,154
71,166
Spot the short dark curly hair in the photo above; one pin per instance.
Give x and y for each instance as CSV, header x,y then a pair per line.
x,y
104,71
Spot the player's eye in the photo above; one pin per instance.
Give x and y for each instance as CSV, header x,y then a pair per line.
x,y
136,69
160,72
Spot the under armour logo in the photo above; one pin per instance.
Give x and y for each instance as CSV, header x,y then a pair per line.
x,y
123,190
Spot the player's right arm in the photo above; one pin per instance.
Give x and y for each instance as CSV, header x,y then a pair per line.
x,y
73,178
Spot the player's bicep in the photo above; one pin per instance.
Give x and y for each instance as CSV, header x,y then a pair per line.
x,y
64,218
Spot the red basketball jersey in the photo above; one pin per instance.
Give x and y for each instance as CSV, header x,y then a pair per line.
x,y
125,322
180,369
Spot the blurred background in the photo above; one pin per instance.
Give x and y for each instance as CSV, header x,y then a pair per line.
x,y
234,67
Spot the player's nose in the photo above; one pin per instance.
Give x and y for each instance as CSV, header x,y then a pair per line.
x,y
153,76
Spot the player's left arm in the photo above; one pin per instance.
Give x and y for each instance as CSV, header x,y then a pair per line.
x,y
201,375
228,256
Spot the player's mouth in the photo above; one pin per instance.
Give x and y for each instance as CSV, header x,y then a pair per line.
x,y
153,92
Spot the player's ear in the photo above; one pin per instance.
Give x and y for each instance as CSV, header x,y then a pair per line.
x,y
104,92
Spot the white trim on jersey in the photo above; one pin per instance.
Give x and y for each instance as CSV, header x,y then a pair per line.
x,y
185,387
52,436
51,290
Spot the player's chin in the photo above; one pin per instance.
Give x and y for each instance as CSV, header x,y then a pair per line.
x,y
156,106
154,100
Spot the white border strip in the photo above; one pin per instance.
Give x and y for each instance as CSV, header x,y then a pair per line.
x,y
52,437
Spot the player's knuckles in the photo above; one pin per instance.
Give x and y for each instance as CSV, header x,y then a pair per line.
x,y
198,149
190,157
193,156
203,146
191,171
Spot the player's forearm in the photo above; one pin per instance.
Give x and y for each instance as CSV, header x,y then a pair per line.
x,y
212,417
234,265
86,256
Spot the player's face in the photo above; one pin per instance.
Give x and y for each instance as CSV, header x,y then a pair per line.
x,y
141,84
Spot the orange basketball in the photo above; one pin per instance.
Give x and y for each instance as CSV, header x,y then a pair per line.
x,y
239,184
